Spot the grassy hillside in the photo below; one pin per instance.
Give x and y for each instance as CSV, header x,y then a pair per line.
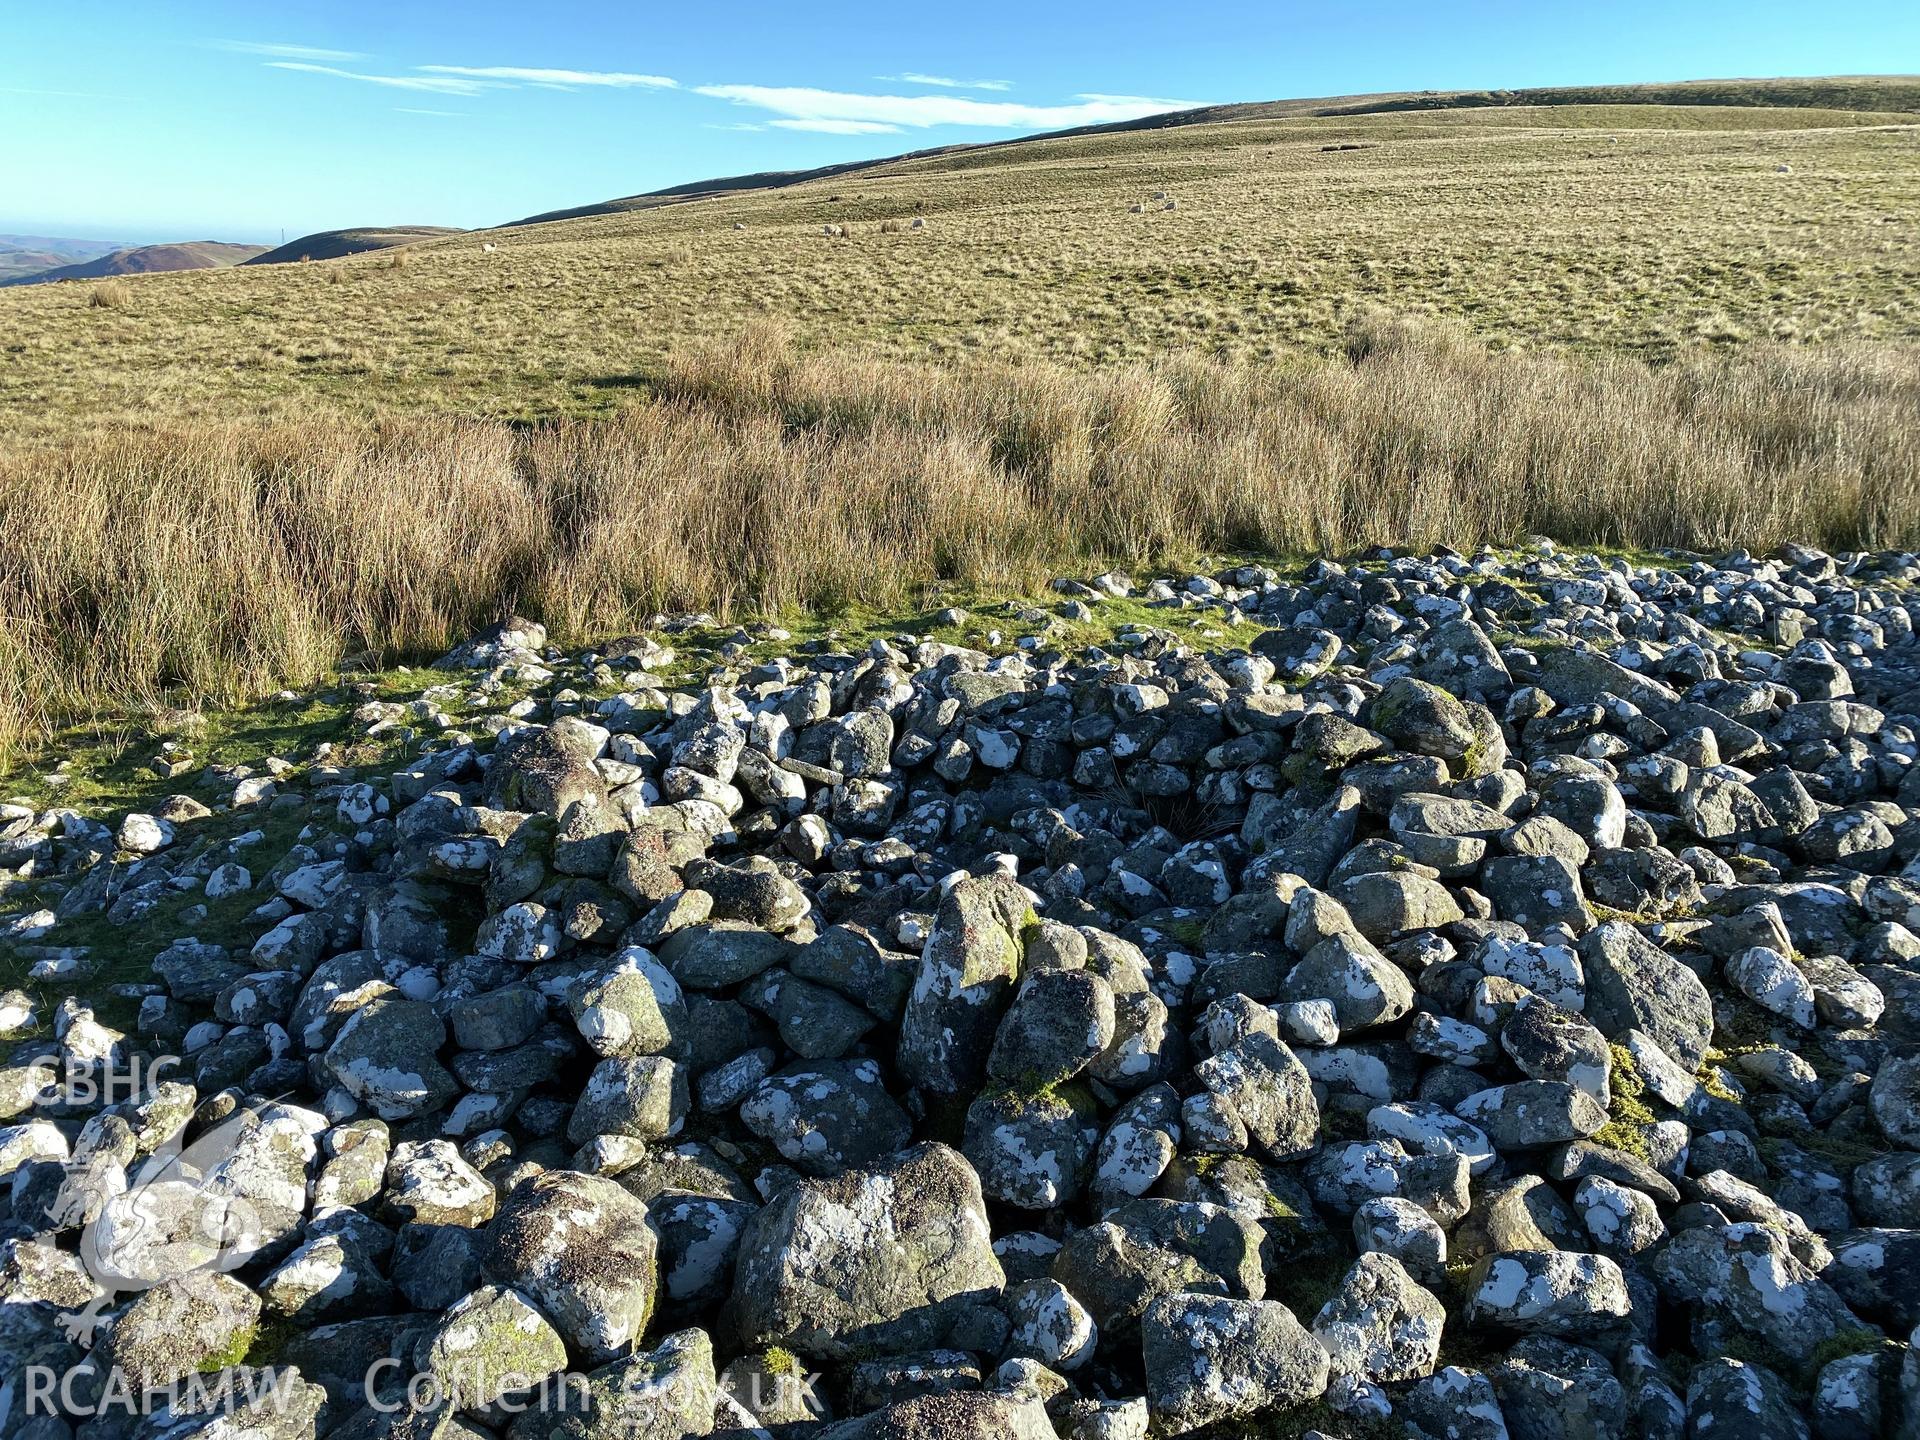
x,y
150,260
1628,228
1879,94
334,244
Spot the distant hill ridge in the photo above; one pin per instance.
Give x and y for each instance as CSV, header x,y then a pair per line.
x,y
332,244
23,255
1894,94
147,259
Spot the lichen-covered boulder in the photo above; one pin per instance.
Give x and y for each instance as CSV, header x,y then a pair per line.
x,y
240,1404
1732,1398
187,1326
1552,1390
1877,1272
384,1056
951,1415
1423,718
1547,1292
580,1248
1849,1397
430,1183
1529,1114
699,1238
1632,984
1146,1249
965,982
491,1343
642,1097
1547,1042
1364,988
1059,1023
1211,1357
883,1259
1270,1092
666,1393
634,1007
1380,1323
1049,1325
1745,1276
1452,1404
335,1272
1895,1100
826,1116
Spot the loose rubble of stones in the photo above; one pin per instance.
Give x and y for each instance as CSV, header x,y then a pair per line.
x,y
1488,1006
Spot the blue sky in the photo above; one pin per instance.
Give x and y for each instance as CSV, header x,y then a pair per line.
x,y
209,119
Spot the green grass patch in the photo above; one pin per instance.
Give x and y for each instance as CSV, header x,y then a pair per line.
x,y
105,774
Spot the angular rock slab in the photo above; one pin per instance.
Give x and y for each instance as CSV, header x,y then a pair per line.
x,y
966,979
879,1260
580,1248
1211,1357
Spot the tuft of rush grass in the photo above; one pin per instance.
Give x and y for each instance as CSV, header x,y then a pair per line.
x,y
1636,228
215,560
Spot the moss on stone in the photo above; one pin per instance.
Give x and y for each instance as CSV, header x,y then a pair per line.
x,y
1188,932
777,1361
1848,1342
1843,1153
1029,927
1459,1274
1751,1350
1276,1208
1740,1026
239,1347
1473,760
269,1338
1713,1080
1388,707
1051,1094
1336,1124
1608,912
1629,1117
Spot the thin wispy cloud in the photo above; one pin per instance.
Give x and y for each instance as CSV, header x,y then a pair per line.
x,y
444,114
285,52
433,84
817,108
554,79
944,82
836,127
782,107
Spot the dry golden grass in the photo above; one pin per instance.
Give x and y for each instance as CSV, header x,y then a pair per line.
x,y
220,558
1647,229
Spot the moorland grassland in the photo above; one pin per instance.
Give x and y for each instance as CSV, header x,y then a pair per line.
x,y
1637,325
